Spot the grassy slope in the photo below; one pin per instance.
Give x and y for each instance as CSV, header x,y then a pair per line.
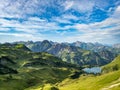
x,y
33,68
45,76
107,81
91,82
114,65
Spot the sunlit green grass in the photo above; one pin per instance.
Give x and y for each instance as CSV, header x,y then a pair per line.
x,y
90,82
113,66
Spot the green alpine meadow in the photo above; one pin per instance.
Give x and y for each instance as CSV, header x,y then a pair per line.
x,y
59,44
23,69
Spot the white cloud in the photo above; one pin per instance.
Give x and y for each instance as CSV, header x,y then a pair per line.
x,y
107,31
64,19
32,26
69,17
68,4
117,13
4,29
61,20
79,5
36,19
109,37
23,8
12,37
106,24
17,34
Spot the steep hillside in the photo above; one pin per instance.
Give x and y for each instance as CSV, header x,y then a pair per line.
x,y
90,46
4,63
20,68
79,56
97,47
107,81
113,66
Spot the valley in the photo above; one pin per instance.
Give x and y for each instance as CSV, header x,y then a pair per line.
x,y
23,69
59,44
80,53
20,68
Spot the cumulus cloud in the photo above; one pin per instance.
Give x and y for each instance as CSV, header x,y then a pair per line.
x,y
61,20
68,4
109,36
32,18
107,31
79,5
32,25
23,8
12,37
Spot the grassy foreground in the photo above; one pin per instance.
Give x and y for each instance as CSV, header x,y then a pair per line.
x,y
21,69
103,82
108,80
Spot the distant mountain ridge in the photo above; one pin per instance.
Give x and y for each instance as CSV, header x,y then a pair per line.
x,y
86,46
77,52
116,46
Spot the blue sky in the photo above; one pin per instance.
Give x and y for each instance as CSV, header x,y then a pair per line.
x,y
60,20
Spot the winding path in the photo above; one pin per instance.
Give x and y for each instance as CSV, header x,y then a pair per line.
x,y
114,85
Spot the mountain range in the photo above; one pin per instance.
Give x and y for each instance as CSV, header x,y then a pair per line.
x,y
80,53
23,67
